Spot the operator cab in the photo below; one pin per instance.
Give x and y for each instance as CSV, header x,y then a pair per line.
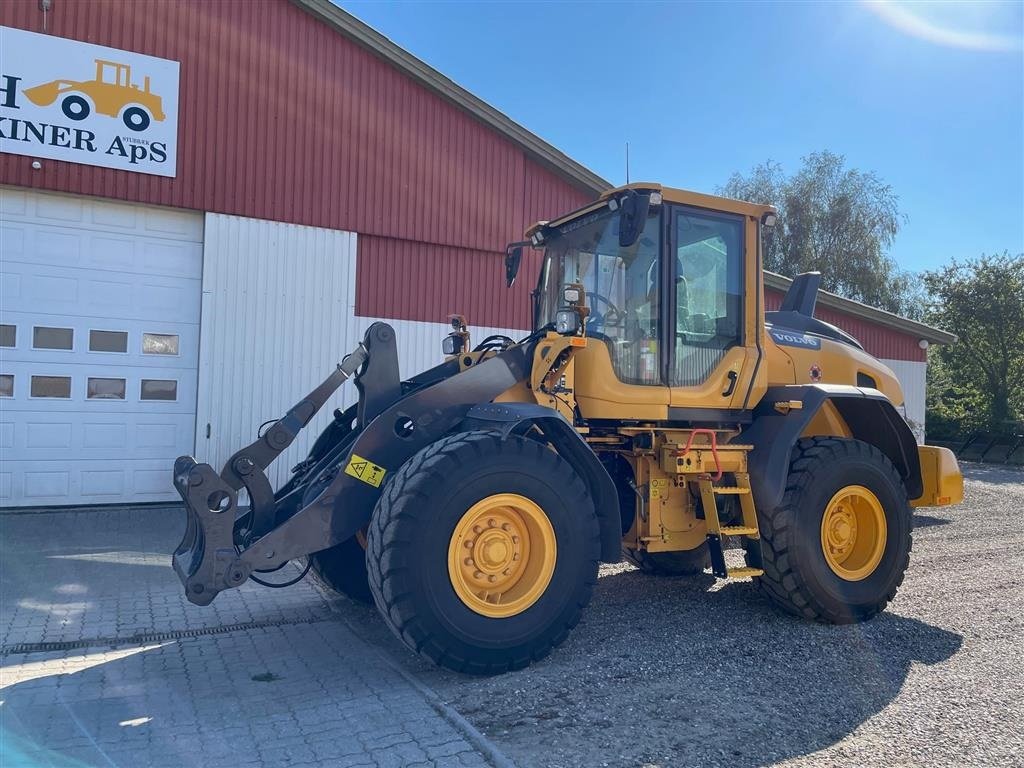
x,y
671,282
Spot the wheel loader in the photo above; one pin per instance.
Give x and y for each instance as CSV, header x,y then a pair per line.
x,y
656,412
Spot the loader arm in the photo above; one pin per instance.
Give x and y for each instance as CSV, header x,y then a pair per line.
x,y
394,421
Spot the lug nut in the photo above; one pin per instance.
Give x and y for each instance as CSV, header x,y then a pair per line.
x,y
515,556
469,543
468,561
492,522
477,575
477,529
492,579
506,527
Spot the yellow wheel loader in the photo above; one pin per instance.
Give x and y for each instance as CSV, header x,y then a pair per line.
x,y
656,412
111,93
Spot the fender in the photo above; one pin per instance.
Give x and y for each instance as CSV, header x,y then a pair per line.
x,y
868,413
517,418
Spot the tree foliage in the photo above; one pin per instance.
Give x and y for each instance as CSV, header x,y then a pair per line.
x,y
979,381
835,220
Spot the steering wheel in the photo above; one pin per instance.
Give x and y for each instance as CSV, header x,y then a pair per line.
x,y
611,316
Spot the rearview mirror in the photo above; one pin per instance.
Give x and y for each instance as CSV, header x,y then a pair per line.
x,y
633,210
513,258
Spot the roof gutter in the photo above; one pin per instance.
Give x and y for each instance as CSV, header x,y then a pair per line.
x,y
369,38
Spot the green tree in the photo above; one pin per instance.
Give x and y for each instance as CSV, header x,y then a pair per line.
x,y
979,381
835,220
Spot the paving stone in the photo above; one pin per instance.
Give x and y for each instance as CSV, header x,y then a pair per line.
x,y
301,690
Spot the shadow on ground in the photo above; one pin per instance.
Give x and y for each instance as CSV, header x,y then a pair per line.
x,y
675,672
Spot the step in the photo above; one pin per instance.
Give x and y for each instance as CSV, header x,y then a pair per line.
x,y
744,573
737,530
729,490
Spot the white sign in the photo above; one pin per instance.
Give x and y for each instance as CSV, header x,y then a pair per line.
x,y
68,100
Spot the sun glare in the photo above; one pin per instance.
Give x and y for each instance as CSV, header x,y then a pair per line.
x,y
972,25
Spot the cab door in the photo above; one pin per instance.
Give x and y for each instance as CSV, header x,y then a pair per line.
x,y
711,298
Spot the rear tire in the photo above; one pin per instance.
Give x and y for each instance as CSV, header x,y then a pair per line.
x,y
415,552
135,119
686,563
802,573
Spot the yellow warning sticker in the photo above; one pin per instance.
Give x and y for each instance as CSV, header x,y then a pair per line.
x,y
365,470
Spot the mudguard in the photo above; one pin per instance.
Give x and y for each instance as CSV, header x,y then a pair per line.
x,y
868,413
514,418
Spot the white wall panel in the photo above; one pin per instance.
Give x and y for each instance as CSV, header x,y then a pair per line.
x,y
278,315
912,376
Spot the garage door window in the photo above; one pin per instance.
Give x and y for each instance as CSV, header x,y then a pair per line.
x,y
159,344
6,385
51,386
105,389
8,335
44,337
159,389
108,341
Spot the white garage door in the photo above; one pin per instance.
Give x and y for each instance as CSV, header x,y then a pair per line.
x,y
99,337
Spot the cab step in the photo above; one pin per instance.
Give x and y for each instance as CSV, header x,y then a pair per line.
x,y
748,531
730,490
745,573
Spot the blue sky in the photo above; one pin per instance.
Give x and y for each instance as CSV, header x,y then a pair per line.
x,y
929,96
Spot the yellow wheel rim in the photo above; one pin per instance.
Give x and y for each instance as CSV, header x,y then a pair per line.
x,y
853,533
502,555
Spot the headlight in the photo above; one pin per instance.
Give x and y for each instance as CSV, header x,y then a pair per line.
x,y
567,321
572,295
451,344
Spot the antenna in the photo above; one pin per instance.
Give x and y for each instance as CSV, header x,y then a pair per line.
x,y
627,162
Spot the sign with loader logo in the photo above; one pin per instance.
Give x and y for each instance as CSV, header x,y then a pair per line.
x,y
365,470
67,100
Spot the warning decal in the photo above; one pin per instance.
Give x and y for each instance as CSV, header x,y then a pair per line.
x,y
365,470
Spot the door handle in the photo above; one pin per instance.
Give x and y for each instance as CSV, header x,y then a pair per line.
x,y
733,378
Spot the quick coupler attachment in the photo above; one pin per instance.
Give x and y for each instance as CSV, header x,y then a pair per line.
x,y
205,560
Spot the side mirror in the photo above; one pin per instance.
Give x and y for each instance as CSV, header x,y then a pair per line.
x,y
633,211
513,258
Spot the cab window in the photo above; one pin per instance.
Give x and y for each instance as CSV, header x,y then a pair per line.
x,y
708,293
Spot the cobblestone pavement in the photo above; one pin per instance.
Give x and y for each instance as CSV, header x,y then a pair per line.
x,y
139,677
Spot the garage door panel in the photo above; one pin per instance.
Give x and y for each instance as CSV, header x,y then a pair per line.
x,y
56,483
74,290
119,285
111,252
182,383
187,338
33,436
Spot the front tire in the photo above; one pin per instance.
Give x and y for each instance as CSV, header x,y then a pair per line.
x,y
75,108
838,545
483,552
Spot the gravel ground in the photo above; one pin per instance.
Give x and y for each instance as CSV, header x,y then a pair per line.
x,y
689,672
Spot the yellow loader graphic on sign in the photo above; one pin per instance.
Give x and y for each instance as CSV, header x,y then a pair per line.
x,y
111,93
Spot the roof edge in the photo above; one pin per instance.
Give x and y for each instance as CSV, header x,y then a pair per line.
x,y
867,312
366,36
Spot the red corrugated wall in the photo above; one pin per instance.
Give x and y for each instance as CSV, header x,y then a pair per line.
x,y
878,340
283,118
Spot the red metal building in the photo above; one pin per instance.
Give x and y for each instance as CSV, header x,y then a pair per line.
x,y
323,177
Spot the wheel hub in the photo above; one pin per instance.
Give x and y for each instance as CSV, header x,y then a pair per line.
x,y
853,533
502,555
